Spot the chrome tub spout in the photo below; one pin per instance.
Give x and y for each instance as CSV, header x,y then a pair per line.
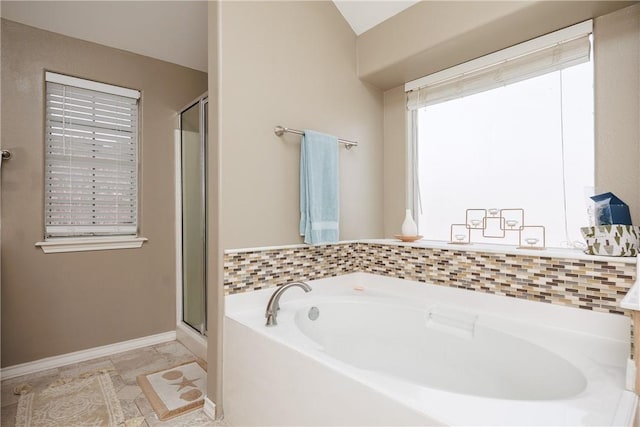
x,y
273,305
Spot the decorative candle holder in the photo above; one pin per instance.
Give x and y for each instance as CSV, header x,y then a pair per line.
x,y
460,234
532,237
513,218
495,224
493,227
474,218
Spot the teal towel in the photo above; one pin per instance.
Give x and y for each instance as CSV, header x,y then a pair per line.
x,y
319,199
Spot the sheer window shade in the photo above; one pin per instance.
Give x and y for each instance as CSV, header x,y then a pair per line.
x,y
91,159
531,60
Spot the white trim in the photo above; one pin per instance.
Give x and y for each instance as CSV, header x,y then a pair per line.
x,y
294,246
83,355
91,85
550,39
209,408
81,244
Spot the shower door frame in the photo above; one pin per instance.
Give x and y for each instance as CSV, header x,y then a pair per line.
x,y
190,335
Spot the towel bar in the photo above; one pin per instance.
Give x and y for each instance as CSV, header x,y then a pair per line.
x,y
281,130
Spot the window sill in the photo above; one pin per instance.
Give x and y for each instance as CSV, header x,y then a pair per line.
x,y
473,247
506,250
81,244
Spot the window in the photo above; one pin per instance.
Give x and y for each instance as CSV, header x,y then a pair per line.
x,y
91,158
511,130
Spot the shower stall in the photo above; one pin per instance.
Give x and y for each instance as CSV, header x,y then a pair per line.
x,y
191,211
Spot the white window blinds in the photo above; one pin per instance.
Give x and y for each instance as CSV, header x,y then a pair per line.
x,y
553,52
91,158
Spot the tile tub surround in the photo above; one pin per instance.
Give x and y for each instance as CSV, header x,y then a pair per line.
x,y
591,283
254,269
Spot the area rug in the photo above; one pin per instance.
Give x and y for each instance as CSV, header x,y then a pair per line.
x,y
176,390
89,401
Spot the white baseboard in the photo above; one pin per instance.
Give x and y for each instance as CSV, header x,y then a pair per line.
x,y
209,408
83,355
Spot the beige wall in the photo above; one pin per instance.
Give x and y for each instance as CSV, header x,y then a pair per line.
x,y
215,289
617,109
58,303
395,160
292,64
433,35
617,105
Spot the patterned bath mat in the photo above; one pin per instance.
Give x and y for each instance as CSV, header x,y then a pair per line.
x,y
89,401
176,390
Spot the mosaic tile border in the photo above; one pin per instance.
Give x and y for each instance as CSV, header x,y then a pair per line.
x,y
587,284
590,285
254,270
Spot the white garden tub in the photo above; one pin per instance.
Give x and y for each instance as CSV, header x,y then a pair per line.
x,y
386,351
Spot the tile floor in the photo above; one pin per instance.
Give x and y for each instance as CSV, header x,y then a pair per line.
x,y
125,367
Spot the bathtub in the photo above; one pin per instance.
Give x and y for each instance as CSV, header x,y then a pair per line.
x,y
362,349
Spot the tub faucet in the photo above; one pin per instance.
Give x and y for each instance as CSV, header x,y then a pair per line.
x,y
273,305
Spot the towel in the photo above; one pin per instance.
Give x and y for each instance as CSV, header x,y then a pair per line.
x,y
319,202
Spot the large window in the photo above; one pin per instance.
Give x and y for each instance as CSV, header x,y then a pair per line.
x,y
91,158
513,134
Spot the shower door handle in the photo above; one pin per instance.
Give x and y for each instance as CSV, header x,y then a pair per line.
x,y
6,154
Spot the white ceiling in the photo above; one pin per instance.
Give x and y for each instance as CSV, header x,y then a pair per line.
x,y
173,31
363,15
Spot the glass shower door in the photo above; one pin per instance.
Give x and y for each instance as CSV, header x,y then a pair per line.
x,y
194,275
